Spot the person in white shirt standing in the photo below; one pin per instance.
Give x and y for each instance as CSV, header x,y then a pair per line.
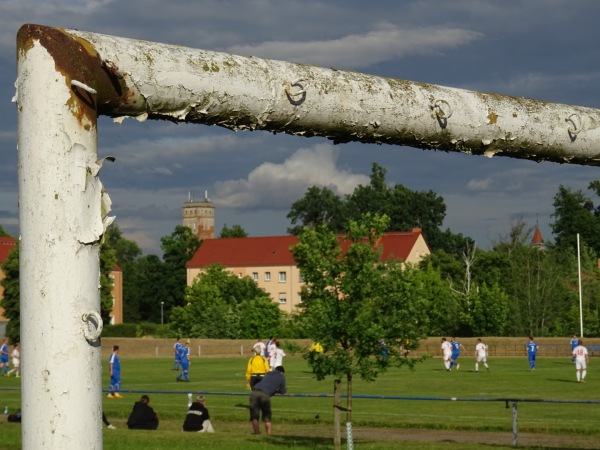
x,y
481,355
259,348
446,353
277,356
581,361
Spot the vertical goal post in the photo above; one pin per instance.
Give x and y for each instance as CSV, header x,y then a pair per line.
x,y
66,78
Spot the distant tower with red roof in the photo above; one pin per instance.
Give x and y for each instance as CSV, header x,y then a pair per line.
x,y
538,241
200,217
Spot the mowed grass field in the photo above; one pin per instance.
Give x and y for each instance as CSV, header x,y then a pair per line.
x,y
303,421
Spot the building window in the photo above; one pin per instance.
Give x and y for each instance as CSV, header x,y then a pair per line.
x,y
301,278
282,298
299,299
255,276
267,276
282,277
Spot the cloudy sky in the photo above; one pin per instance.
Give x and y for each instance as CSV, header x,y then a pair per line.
x,y
542,49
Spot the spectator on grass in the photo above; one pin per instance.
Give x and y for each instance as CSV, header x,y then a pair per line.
x,y
197,418
580,353
107,423
260,398
142,416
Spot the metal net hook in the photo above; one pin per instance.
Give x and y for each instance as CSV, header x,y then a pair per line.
x,y
442,114
94,325
575,124
297,83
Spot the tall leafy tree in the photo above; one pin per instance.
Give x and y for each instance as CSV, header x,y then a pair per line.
x,y
221,305
352,299
406,210
178,248
3,232
149,287
11,300
574,214
108,261
319,206
235,231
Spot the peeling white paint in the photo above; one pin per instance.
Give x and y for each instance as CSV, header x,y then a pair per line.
x,y
252,93
59,211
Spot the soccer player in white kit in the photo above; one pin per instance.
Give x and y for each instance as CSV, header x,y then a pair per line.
x,y
481,355
446,352
581,361
276,357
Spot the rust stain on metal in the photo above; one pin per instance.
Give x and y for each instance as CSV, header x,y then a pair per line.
x,y
492,117
77,60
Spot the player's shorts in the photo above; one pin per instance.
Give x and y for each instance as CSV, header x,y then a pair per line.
x,y
580,364
3,359
447,355
481,358
455,355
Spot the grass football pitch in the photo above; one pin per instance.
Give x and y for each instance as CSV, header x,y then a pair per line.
x,y
432,420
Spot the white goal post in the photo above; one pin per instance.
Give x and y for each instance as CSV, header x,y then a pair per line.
x,y
66,78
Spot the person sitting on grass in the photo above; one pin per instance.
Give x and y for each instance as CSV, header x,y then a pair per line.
x,y
197,418
142,416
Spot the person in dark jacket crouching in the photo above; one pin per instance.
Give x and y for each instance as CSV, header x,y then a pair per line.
x,y
142,416
197,418
260,398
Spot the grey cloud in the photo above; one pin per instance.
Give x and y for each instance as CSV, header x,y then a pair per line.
x,y
363,50
277,186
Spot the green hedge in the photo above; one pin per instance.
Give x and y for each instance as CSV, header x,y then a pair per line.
x,y
133,330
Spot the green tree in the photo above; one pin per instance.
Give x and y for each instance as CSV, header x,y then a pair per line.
x,y
352,299
178,248
490,308
3,232
406,210
11,300
108,261
221,305
235,231
575,214
150,287
319,206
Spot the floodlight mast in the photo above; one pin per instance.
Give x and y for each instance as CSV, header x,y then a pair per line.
x,y
66,78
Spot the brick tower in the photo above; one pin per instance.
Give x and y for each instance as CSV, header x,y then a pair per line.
x,y
200,217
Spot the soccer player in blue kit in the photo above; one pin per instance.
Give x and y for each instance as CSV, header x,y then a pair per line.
x,y
456,348
184,361
574,343
4,364
532,349
115,374
177,347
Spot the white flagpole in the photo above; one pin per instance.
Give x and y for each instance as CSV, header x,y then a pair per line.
x,y
579,274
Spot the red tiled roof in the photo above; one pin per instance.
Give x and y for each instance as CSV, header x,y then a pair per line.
x,y
6,245
537,237
275,250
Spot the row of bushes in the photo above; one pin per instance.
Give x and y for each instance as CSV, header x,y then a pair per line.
x,y
136,330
